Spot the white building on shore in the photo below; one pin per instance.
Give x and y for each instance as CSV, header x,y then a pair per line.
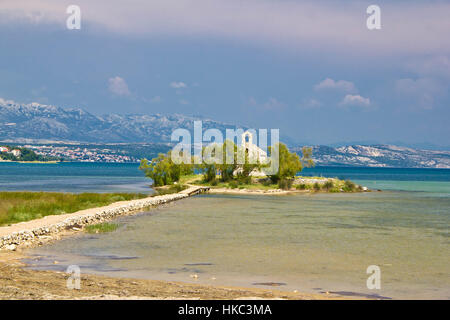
x,y
254,152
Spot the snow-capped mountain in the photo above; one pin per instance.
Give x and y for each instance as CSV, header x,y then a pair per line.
x,y
37,123
42,122
380,156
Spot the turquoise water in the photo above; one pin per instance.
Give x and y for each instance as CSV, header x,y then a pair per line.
x,y
308,242
73,177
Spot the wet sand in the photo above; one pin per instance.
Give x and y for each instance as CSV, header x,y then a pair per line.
x,y
19,282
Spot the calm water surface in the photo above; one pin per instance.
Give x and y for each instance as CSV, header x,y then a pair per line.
x,y
72,177
311,243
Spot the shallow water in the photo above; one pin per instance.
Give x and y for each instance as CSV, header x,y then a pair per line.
x,y
73,177
311,243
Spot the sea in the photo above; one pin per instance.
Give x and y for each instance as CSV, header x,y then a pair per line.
x,y
314,243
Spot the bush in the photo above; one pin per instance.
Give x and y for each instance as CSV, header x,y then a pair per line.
x,y
328,185
244,180
285,184
301,186
233,184
175,188
349,186
316,186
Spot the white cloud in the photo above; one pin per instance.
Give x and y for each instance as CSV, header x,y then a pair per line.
x,y
355,100
178,85
436,66
328,83
420,92
118,86
183,101
418,27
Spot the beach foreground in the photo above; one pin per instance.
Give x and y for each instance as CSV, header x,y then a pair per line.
x,y
18,282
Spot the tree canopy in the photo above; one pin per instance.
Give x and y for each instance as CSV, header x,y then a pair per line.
x,y
228,161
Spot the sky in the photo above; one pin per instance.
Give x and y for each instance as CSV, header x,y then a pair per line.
x,y
309,68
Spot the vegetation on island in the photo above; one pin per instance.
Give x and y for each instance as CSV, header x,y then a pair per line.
x,y
25,155
164,171
169,175
24,206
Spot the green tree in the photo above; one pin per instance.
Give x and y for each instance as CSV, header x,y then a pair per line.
x,y
307,160
163,171
289,164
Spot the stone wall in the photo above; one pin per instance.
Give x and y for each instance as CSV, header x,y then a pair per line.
x,y
36,236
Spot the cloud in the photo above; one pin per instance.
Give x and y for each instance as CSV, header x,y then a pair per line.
x,y
355,100
406,27
183,101
270,104
310,104
436,66
342,85
178,85
118,86
420,92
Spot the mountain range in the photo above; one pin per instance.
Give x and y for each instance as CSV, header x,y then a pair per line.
x,y
44,124
40,123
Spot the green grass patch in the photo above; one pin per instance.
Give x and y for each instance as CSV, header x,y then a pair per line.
x,y
102,227
24,206
173,188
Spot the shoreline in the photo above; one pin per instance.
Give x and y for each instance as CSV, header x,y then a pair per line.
x,y
17,281
39,231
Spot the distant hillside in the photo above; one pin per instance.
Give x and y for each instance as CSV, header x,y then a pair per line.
x,y
25,122
380,156
42,124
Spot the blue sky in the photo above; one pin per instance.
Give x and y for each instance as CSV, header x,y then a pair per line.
x,y
310,68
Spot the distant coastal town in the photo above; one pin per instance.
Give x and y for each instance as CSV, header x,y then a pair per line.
x,y
63,153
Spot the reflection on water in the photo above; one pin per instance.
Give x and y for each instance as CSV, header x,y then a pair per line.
x,y
312,243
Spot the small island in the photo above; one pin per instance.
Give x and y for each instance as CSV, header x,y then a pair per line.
x,y
247,176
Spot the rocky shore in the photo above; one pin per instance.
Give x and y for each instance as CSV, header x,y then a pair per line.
x,y
37,232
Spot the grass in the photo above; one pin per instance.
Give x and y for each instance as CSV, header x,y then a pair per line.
x,y
24,206
331,185
102,227
334,185
173,188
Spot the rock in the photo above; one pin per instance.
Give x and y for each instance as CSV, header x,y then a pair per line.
x,y
10,247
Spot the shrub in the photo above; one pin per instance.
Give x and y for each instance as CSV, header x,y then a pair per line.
x,y
316,186
349,186
285,184
175,188
328,185
302,186
233,184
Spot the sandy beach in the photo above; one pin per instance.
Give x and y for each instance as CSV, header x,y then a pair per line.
x,y
19,282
